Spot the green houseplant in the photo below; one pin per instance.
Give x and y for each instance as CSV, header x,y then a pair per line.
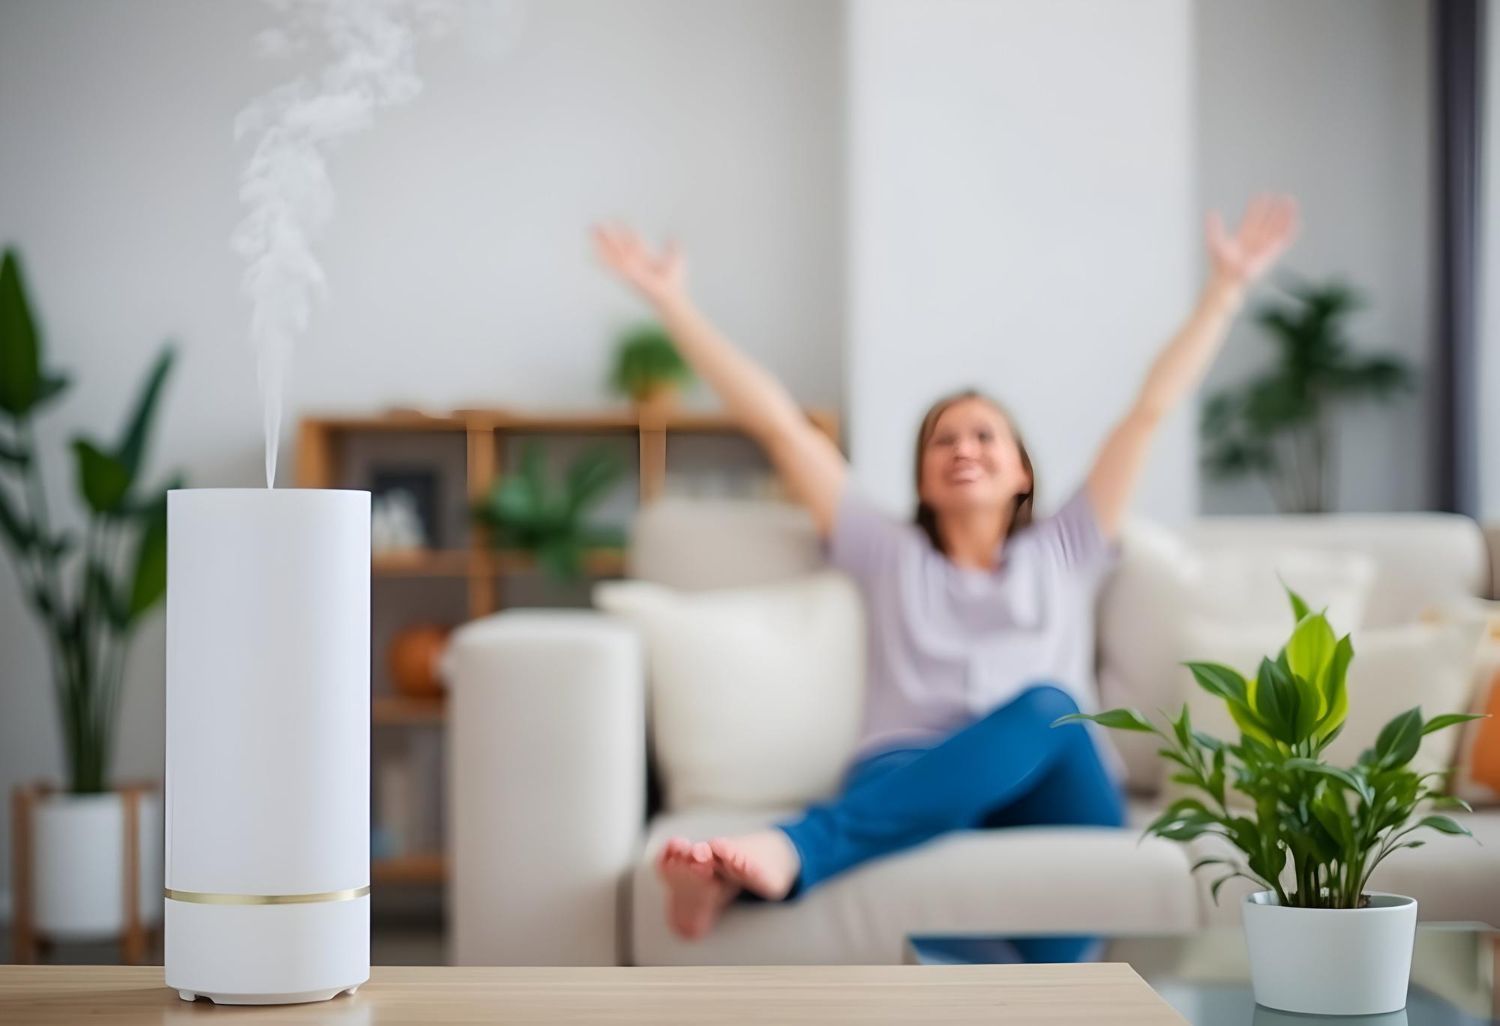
x,y
1278,425
89,594
647,368
526,511
1307,833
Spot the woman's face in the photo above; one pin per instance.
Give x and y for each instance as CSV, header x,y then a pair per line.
x,y
972,460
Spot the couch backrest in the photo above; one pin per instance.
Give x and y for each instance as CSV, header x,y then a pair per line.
x,y
1421,559
698,544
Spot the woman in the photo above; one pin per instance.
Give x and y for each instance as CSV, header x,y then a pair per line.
x,y
979,619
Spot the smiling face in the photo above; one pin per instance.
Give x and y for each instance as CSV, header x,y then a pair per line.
x,y
970,458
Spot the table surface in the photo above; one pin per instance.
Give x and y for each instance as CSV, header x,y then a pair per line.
x,y
1044,994
1455,979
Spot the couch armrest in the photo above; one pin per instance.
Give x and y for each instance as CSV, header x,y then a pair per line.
x,y
1492,538
546,786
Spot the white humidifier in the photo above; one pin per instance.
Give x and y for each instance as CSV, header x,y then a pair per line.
x,y
268,744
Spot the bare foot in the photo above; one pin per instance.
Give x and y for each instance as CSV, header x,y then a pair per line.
x,y
695,893
764,863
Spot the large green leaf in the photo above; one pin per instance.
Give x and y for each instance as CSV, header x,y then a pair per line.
x,y
103,480
1115,719
149,576
17,531
1335,691
1220,680
20,344
1278,702
1449,720
138,426
1399,739
1311,647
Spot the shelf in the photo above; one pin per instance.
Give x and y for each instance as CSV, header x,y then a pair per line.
x,y
425,563
401,710
601,562
623,418
423,867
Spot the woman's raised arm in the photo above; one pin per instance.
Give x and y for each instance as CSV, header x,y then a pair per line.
x,y
807,460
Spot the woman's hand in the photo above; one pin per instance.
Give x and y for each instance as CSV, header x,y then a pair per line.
x,y
659,277
1267,229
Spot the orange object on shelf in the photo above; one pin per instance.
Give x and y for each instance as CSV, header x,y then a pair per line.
x,y
414,655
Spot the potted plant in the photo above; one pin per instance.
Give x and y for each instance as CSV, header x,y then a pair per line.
x,y
647,368
1307,833
1279,424
524,511
89,595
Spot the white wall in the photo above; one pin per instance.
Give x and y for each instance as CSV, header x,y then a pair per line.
x,y
1331,100
457,261
1489,290
1021,218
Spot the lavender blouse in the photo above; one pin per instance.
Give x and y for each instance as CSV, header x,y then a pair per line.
x,y
946,645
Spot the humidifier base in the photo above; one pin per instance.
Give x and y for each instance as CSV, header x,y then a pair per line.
x,y
267,954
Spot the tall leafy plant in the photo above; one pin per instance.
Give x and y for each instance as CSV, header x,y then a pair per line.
x,y
1279,425
89,595
1307,830
527,511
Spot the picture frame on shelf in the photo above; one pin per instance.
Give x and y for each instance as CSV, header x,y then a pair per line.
x,y
404,509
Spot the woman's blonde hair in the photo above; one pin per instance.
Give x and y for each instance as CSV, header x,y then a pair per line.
x,y
926,516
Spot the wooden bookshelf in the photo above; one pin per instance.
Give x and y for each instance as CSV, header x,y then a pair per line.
x,y
485,435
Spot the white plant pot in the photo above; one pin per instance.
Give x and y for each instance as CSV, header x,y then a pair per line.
x,y
78,860
1320,961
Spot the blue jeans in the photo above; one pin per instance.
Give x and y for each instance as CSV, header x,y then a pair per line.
x,y
1012,768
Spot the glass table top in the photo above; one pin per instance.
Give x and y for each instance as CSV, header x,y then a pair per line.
x,y
1206,975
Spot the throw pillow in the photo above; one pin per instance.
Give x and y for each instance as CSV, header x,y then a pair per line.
x,y
755,692
1477,776
1160,583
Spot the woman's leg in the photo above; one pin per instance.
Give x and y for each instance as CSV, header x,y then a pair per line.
x,y
995,763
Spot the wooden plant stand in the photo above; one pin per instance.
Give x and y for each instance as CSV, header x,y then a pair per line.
x,y
26,943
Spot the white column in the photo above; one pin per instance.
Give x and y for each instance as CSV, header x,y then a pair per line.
x,y
1022,218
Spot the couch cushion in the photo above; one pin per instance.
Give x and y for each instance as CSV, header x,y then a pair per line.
x,y
755,692
1073,879
1454,879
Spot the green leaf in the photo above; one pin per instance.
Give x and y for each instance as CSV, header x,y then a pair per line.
x,y
1299,607
103,594
1444,825
1311,646
1448,720
1335,773
1335,691
1399,740
102,479
149,577
1114,719
1278,702
138,427
20,534
1448,801
20,344
1220,680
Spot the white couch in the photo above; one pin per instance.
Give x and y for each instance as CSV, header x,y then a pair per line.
x,y
551,847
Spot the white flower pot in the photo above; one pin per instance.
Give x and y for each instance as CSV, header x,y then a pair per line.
x,y
1321,961
78,865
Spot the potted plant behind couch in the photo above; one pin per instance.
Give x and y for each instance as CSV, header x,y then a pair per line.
x,y
1306,832
89,594
648,370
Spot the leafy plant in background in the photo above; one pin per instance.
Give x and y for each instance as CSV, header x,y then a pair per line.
x,y
1330,825
526,511
89,598
1279,425
646,361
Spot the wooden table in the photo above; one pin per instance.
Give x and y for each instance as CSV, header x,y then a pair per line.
x,y
1044,994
